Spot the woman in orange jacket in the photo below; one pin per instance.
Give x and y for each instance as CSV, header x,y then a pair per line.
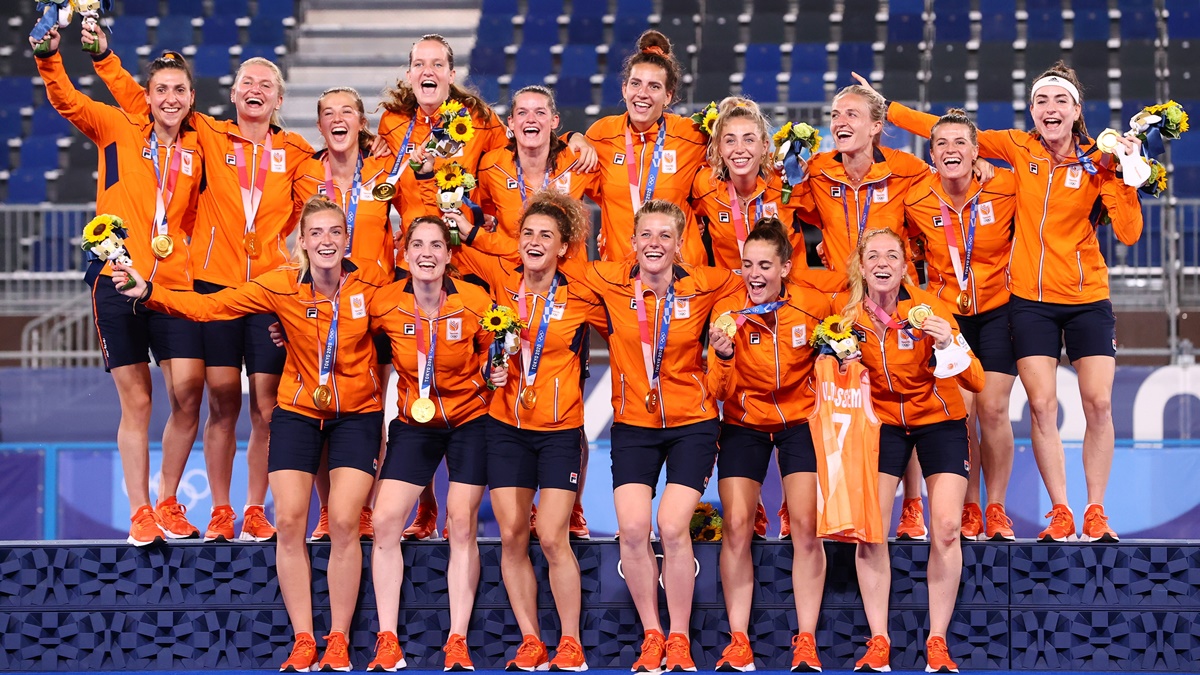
x,y
536,438
760,365
440,353
902,331
658,315
1060,282
647,153
967,229
150,172
243,219
330,395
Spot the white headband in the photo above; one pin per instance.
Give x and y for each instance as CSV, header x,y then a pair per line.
x,y
1054,81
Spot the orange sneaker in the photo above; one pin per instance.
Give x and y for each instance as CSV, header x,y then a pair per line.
x,y
760,523
424,525
173,520
458,657
321,531
912,522
738,657
578,527
1095,526
304,655
972,522
220,527
531,656
679,654
937,657
533,521
143,528
785,523
999,526
878,657
337,654
804,654
568,657
388,656
1062,525
255,526
366,527
654,653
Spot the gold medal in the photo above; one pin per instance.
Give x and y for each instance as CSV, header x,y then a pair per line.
x,y
964,302
250,243
384,192
726,324
422,410
162,245
323,397
652,401
1108,140
528,398
918,314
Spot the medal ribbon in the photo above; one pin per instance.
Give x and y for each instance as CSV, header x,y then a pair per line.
x,y
739,223
961,270
652,173
862,221
652,353
251,193
521,178
425,355
1088,164
764,308
331,339
352,210
533,358
398,167
885,319
166,188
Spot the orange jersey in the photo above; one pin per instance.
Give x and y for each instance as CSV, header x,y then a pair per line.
x,y
766,384
127,185
994,205
710,199
684,397
904,391
682,155
459,389
220,242
558,384
1055,252
828,200
845,432
306,317
372,245
418,197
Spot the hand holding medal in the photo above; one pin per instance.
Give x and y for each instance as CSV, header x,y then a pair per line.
x,y
720,335
921,316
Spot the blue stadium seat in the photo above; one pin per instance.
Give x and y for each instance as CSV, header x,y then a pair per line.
x,y
237,8
488,61
806,86
573,92
897,138
760,86
954,26
587,30
269,32
211,60
592,9
1184,21
1185,151
540,29
1033,6
142,8
809,57
10,125
275,10
999,21
39,152
16,90
905,27
578,61
185,7
220,30
610,90
494,31
129,57
502,8
47,122
1098,115
1185,182
854,57
1138,24
626,29
1044,26
907,6
261,51
27,186
1092,24
994,116
533,60
550,8
127,31
763,58
520,80
176,31
636,8
487,87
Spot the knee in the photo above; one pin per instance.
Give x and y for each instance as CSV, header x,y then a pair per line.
x,y
737,526
1044,410
224,404
343,527
675,534
1097,408
634,531
992,413
556,549
514,539
462,525
945,531
291,526
260,414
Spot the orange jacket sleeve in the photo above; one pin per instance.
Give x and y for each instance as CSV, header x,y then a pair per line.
x,y
130,96
90,117
722,376
230,303
993,143
1124,209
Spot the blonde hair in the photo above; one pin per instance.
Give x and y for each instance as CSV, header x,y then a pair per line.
x,y
857,280
876,105
663,207
276,73
957,116
569,215
315,204
365,137
730,108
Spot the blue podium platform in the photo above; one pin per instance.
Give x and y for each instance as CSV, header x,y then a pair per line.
x,y
75,606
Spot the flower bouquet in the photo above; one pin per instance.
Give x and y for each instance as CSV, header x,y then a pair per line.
x,y
706,524
453,184
104,241
505,326
453,129
790,141
706,118
832,336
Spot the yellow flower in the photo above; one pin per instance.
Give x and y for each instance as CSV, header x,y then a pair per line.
x,y
833,327
449,176
782,135
450,108
100,228
461,129
710,120
496,320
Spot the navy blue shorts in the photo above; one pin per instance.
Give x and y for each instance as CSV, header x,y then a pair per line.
x,y
746,453
297,441
990,339
229,343
523,458
383,349
1043,327
689,451
128,336
413,452
941,448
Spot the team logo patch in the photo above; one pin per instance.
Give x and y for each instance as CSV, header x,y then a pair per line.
x,y
320,189
453,329
755,338
511,183
1074,176
633,303
770,210
185,162
410,329
557,312
410,148
230,160
563,183
904,340
146,153
937,221
798,336
1033,168
311,313
987,215
879,195
619,158
358,306
278,160
574,478
683,308
723,217
668,161
835,191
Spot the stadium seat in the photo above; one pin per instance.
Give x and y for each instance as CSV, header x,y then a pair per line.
x,y
82,153
27,186
10,124
238,8
710,87
858,21
142,8
210,92
626,29
1032,6
522,80
902,84
128,53
1040,56
761,87
494,31
610,90
677,7
1097,114
267,32
587,30
540,29
812,26
578,61
533,60
48,122
1185,151
573,91
1184,21
500,8
1094,81
488,61
1183,58
806,86
999,22
276,10
680,29
768,27
178,31
809,57
901,56
994,116
953,26
634,8
1185,182
1091,23
39,152
856,57
261,51
487,87
763,58
719,30
905,27
947,81
211,61
220,30
128,30
190,8
1044,26
1138,23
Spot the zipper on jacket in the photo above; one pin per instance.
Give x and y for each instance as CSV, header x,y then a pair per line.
x,y
1041,230
703,397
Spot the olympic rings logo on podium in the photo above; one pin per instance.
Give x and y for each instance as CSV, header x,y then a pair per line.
x,y
658,558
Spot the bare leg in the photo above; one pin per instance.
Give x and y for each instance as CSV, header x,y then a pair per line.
x,y
184,379
224,406
345,553
946,492
808,553
462,573
874,564
638,563
133,433
1095,388
739,498
264,389
1039,376
679,564
554,517
292,490
511,505
395,502
996,435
